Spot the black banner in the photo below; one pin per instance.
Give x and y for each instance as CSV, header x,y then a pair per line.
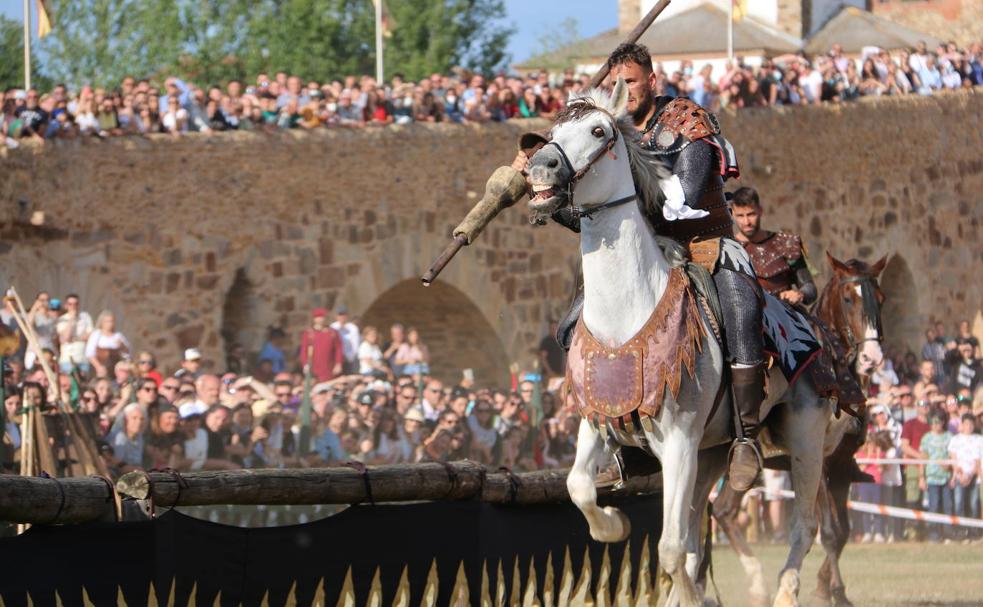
x,y
444,552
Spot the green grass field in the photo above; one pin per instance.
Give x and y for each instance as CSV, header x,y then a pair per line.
x,y
877,575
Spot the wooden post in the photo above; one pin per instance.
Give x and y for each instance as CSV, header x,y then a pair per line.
x,y
84,440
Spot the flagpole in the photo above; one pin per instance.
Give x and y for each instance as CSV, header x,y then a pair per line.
x,y
730,33
378,42
27,45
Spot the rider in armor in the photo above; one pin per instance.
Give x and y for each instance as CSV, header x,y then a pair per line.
x,y
687,138
778,257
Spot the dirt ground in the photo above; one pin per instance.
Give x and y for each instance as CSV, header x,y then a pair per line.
x,y
879,575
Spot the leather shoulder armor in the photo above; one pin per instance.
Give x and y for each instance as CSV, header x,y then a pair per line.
x,y
775,254
679,123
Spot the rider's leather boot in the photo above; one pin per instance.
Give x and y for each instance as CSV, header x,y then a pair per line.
x,y
745,456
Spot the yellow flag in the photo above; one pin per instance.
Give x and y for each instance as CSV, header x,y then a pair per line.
x,y
44,19
740,9
387,21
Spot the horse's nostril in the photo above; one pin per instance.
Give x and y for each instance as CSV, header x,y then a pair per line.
x,y
553,163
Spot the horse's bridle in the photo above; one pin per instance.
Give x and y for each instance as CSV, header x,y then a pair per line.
x,y
853,343
578,175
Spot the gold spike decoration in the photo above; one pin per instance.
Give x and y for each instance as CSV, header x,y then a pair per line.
x,y
319,600
645,595
218,600
582,589
265,601
402,598
30,601
85,599
193,599
347,596
602,598
566,580
433,585
151,596
460,594
485,600
622,594
515,597
375,591
529,598
500,586
120,601
548,582
292,595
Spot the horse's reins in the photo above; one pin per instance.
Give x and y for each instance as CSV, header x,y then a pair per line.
x,y
580,212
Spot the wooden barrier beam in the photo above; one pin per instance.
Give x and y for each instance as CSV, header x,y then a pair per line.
x,y
396,483
77,500
49,501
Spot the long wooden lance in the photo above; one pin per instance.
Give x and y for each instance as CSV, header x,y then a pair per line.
x,y
507,186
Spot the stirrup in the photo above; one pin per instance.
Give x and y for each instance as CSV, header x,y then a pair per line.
x,y
613,476
754,447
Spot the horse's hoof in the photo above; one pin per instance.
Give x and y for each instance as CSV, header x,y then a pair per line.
x,y
759,600
788,589
839,598
618,530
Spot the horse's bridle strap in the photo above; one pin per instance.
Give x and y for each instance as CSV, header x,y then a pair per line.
x,y
580,212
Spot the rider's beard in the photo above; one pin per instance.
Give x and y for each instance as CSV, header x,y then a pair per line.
x,y
644,107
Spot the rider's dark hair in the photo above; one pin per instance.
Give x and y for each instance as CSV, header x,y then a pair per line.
x,y
745,197
631,53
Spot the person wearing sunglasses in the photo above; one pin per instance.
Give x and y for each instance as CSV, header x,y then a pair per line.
x,y
146,366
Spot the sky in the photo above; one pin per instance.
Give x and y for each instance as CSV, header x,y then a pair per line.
x,y
530,17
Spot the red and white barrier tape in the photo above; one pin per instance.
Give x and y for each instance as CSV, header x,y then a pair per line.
x,y
892,511
903,460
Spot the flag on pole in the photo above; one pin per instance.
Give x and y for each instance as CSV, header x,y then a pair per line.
x,y
387,22
740,9
44,18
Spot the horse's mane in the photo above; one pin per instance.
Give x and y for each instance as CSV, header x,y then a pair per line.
x,y
646,168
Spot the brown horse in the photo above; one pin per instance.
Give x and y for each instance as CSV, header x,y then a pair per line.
x,y
849,308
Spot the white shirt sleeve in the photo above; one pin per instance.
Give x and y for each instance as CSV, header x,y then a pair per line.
x,y
675,206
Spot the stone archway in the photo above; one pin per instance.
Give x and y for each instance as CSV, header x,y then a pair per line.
x,y
450,324
240,311
900,313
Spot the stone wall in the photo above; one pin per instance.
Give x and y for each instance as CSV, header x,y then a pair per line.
x,y
959,20
201,241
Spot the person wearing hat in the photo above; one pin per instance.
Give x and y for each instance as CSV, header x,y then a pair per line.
x,y
350,338
321,348
190,365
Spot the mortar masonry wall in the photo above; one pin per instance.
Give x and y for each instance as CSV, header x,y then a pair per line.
x,y
157,228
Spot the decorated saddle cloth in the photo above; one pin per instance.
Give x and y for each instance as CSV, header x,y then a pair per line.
x,y
626,384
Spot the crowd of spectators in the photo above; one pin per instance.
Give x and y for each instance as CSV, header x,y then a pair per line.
x,y
927,407
284,101
370,400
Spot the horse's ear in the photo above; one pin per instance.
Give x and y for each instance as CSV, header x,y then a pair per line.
x,y
837,265
619,98
878,267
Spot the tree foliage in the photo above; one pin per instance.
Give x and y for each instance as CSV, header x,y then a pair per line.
x,y
11,53
100,41
12,57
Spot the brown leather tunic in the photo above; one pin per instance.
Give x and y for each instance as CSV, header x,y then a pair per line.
x,y
773,258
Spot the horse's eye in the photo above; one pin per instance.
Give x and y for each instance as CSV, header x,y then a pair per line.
x,y
598,132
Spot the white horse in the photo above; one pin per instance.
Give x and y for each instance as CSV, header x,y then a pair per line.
x,y
594,156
